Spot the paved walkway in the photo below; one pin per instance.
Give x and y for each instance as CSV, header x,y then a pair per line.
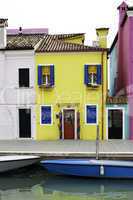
x,y
68,148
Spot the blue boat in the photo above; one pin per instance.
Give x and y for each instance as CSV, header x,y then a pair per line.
x,y
90,168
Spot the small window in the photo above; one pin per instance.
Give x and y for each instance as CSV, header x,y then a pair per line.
x,y
46,115
92,75
91,114
46,75
24,77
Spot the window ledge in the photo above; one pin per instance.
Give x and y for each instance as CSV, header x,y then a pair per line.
x,y
46,86
93,86
25,88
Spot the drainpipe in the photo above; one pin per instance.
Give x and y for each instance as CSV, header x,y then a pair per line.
x,y
102,94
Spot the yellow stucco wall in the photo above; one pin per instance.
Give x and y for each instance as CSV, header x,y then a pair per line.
x,y
75,39
70,90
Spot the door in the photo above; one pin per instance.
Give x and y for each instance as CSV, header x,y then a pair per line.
x,y
24,123
115,124
69,124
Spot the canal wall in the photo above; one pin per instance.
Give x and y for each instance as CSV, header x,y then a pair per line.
x,y
114,149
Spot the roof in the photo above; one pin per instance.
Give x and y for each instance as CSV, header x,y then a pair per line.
x,y
65,36
116,100
52,43
21,41
113,44
123,4
130,8
29,41
43,42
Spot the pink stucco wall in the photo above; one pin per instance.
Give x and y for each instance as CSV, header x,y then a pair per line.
x,y
130,75
125,66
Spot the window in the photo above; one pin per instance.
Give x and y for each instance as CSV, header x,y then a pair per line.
x,y
46,115
92,75
91,114
24,77
46,75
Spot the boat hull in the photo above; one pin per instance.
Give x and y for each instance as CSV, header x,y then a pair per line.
x,y
93,169
15,162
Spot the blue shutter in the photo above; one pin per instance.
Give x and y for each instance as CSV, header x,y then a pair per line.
x,y
86,76
39,75
52,75
99,75
46,115
91,114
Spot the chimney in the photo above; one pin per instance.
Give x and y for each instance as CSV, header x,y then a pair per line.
x,y
102,36
122,12
3,39
20,30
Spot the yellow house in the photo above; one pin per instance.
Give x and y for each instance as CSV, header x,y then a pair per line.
x,y
71,87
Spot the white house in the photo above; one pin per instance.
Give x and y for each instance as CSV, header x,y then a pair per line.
x,y
17,84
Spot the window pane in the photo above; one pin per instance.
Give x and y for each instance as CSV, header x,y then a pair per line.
x,y
24,77
46,115
91,114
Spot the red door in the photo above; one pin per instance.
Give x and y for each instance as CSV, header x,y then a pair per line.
x,y
69,121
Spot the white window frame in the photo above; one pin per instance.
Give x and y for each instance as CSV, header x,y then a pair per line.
x,y
46,65
29,77
96,114
92,79
32,125
123,120
51,115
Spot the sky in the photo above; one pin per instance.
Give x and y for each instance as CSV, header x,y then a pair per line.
x,y
64,16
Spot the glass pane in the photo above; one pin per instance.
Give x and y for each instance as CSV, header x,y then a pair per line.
x,y
45,79
46,115
91,114
92,78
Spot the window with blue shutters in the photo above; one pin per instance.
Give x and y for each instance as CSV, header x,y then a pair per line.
x,y
91,114
46,115
92,75
46,75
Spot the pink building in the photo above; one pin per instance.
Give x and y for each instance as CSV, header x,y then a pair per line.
x,y
121,67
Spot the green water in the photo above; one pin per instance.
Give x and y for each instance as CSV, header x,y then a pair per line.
x,y
34,183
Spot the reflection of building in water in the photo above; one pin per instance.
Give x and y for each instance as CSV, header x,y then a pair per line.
x,y
70,189
33,193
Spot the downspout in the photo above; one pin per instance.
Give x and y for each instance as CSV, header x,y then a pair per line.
x,y
102,107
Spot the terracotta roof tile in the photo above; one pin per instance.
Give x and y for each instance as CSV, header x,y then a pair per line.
x,y
51,43
20,41
47,43
28,41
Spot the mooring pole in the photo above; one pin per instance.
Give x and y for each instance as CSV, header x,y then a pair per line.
x,y
97,143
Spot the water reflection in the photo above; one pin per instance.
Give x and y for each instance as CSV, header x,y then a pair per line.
x,y
36,184
86,189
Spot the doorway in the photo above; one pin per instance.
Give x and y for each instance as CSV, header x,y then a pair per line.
x,y
69,123
115,123
24,123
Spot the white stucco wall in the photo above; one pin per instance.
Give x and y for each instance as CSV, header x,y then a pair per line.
x,y
11,96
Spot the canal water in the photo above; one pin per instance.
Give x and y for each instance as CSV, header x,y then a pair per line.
x,y
34,183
